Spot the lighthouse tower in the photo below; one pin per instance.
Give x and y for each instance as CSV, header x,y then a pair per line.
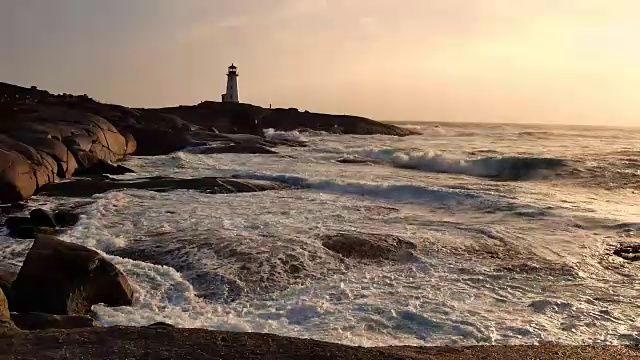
x,y
232,85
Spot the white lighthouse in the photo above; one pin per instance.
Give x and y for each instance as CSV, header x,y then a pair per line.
x,y
232,86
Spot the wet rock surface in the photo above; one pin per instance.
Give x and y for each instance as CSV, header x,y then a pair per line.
x,y
170,343
41,321
90,187
365,246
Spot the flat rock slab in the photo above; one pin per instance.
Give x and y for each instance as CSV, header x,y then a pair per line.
x,y
90,187
170,343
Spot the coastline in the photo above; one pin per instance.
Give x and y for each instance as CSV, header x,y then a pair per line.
x,y
235,129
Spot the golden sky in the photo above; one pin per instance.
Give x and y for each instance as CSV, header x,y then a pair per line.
x,y
560,61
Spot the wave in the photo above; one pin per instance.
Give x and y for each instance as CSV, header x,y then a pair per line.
x,y
494,167
272,134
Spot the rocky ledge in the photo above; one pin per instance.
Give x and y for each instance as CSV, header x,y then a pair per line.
x,y
45,138
161,342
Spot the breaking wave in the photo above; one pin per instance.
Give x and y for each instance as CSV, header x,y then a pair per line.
x,y
272,134
494,167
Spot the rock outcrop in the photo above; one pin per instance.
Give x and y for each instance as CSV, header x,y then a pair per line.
x,y
90,187
363,246
41,321
62,278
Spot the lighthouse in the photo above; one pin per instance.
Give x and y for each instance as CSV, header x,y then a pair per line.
x,y
232,85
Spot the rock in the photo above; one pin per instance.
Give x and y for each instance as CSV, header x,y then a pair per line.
x,y
163,121
153,142
40,321
90,187
5,316
132,145
237,149
6,279
63,278
45,168
629,252
42,218
356,160
97,166
364,246
66,162
160,324
17,221
17,180
30,232
65,218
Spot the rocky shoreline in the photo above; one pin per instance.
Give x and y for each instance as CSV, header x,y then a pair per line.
x,y
68,146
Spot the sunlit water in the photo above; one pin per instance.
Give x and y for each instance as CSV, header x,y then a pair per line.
x,y
498,261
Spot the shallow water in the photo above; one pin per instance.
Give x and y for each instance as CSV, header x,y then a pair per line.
x,y
521,260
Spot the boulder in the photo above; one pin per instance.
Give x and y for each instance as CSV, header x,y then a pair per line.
x,y
66,218
40,321
63,278
97,166
132,145
364,246
153,142
17,179
42,218
5,316
44,166
54,148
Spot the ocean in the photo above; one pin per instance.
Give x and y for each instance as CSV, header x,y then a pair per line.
x,y
513,229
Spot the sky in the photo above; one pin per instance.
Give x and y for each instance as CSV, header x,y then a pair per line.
x,y
541,61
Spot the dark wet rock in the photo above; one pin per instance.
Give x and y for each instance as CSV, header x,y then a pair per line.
x,y
30,232
63,278
163,121
153,142
41,321
90,187
26,227
292,119
176,343
356,160
17,221
629,252
66,218
160,324
363,246
237,149
17,179
91,165
42,218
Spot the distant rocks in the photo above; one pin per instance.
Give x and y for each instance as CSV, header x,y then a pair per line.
x,y
237,149
62,278
356,160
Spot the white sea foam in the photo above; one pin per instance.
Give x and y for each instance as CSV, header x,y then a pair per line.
x,y
496,262
284,135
